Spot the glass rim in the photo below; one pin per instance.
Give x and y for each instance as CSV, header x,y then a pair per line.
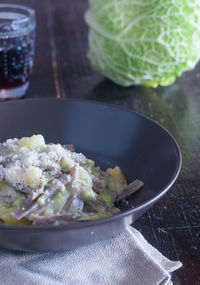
x,y
28,18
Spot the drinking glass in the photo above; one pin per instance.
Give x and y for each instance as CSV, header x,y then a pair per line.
x,y
17,45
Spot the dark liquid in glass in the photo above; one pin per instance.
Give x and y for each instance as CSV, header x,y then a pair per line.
x,y
17,40
15,66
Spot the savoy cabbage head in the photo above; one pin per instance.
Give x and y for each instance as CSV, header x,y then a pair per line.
x,y
146,42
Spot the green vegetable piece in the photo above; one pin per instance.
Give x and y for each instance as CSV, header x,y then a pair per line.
x,y
143,42
41,201
18,202
59,198
2,185
90,163
85,184
90,195
103,183
106,196
65,170
7,206
114,184
93,216
89,170
48,212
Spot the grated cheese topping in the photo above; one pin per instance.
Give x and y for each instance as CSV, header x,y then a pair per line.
x,y
28,166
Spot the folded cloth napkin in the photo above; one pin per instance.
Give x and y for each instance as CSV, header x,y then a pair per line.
x,y
127,259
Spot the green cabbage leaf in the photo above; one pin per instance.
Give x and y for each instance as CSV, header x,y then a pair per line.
x,y
147,42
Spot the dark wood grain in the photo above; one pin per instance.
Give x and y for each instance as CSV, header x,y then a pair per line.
x,y
63,70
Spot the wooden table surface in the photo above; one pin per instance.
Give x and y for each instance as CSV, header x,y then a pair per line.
x,y
63,70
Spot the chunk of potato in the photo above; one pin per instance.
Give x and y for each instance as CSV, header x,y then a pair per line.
x,y
82,183
32,142
7,217
2,185
33,177
66,164
116,173
84,178
10,221
117,180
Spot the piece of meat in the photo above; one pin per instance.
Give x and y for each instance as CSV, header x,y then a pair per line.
x,y
130,189
97,186
70,147
74,205
25,210
33,193
41,220
34,205
50,205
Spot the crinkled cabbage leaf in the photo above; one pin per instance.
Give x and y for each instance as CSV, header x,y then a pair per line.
x,y
148,42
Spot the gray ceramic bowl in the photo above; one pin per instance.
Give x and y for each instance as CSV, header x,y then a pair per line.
x,y
109,135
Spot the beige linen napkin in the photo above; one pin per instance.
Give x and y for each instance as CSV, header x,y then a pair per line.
x,y
127,259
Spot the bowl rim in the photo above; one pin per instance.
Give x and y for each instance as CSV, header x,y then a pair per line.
x,y
87,224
